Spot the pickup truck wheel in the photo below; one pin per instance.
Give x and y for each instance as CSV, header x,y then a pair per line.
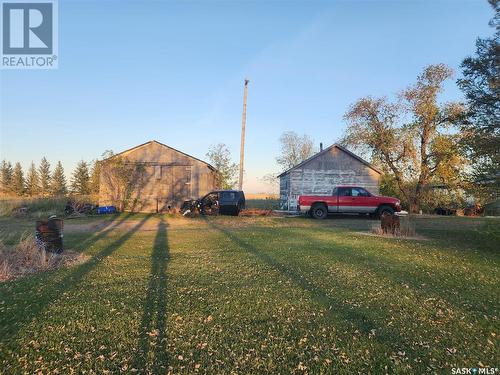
x,y
385,209
319,211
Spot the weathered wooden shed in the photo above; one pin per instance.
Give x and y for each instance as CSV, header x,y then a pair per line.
x,y
319,174
153,177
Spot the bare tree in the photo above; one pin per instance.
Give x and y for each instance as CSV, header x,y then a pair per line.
x,y
294,149
220,158
272,181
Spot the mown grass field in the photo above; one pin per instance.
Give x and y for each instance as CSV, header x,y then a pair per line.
x,y
256,295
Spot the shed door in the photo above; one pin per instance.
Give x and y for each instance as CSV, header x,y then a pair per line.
x,y
181,183
164,182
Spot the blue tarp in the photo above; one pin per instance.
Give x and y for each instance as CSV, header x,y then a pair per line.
x,y
106,210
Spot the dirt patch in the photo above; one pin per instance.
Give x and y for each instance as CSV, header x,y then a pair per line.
x,y
151,224
71,226
26,258
258,212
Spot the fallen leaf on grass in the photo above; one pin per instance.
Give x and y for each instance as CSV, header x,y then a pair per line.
x,y
301,366
153,333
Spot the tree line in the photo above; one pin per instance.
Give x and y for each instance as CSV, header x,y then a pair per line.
x,y
418,142
42,181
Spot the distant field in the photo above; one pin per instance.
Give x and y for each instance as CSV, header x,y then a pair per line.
x,y
39,207
256,295
261,196
266,204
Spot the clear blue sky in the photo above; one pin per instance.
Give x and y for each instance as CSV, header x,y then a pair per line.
x,y
132,71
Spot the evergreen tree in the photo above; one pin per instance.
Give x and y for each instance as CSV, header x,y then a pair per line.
x,y
18,179
6,177
481,86
58,183
44,176
32,181
80,181
94,177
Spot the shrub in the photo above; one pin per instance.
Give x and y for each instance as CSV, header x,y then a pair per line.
x,y
26,258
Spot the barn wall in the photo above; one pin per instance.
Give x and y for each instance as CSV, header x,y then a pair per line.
x,y
163,179
320,175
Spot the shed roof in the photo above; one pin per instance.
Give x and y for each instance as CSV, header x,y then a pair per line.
x,y
163,145
341,148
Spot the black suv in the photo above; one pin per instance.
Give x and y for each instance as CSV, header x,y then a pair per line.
x,y
219,202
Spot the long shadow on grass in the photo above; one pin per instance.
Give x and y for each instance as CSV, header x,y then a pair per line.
x,y
104,230
335,308
424,284
152,354
32,306
424,281
336,311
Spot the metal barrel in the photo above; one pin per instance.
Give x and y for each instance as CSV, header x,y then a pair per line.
x,y
49,235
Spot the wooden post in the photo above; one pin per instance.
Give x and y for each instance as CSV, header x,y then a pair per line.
x,y
243,123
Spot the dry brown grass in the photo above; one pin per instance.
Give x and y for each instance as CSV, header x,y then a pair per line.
x,y
258,212
26,258
262,196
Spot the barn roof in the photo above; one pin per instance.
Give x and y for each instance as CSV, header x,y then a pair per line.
x,y
341,148
163,145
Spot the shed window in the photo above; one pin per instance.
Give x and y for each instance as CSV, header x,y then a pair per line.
x,y
158,172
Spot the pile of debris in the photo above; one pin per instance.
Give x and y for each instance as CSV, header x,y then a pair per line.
x,y
258,212
19,211
75,208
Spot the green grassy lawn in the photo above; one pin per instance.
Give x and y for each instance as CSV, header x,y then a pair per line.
x,y
256,295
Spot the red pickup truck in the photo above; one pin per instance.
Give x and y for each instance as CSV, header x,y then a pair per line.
x,y
348,199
